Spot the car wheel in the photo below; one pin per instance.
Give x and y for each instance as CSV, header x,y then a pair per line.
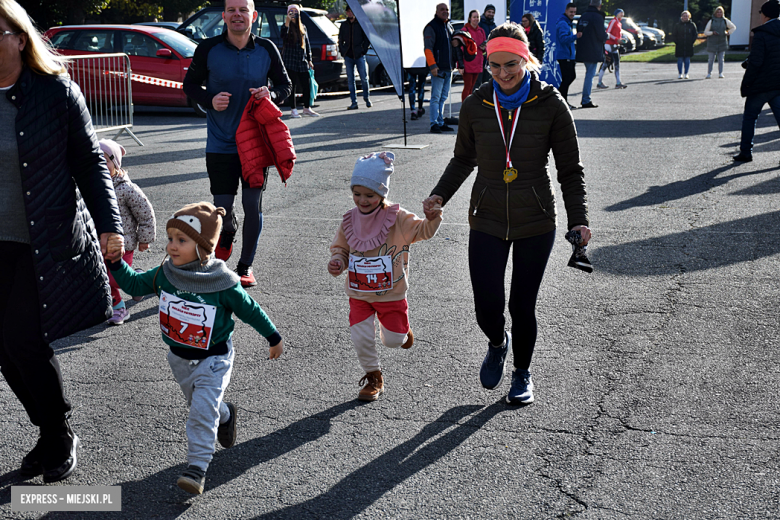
x,y
382,78
199,110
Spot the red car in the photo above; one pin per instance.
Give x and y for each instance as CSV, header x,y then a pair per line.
x,y
155,52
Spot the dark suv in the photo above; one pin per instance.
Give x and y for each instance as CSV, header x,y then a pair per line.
x,y
323,34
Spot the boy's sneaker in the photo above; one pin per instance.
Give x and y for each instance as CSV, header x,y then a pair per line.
x,y
226,433
247,276
492,372
294,114
522,389
375,386
601,85
119,317
225,246
409,340
192,480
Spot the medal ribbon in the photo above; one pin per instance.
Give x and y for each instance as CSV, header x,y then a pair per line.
x,y
510,173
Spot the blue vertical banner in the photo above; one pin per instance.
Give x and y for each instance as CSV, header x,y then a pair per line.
x,y
547,13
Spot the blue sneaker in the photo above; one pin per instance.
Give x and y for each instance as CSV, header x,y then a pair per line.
x,y
492,372
522,389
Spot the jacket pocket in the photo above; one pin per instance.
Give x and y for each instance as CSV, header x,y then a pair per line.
x,y
67,232
479,201
548,208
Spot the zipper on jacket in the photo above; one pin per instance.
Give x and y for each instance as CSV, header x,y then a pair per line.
x,y
479,201
539,200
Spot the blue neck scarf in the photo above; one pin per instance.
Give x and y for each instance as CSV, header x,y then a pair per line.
x,y
511,102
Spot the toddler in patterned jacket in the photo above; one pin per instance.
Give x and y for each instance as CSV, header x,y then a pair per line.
x,y
138,220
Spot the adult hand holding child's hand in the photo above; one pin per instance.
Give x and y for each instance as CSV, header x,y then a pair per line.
x,y
112,246
432,206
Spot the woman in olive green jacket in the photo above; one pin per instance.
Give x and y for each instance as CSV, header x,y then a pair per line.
x,y
512,202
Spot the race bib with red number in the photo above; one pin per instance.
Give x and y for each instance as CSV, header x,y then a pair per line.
x,y
370,274
187,323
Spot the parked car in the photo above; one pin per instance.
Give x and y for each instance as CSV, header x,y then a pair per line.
x,y
660,36
168,25
153,51
323,35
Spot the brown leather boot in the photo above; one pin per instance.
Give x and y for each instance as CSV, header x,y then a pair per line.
x,y
409,340
375,386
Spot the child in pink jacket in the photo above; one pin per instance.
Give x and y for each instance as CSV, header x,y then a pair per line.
x,y
372,245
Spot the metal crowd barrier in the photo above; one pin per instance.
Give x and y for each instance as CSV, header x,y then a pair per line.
x,y
104,80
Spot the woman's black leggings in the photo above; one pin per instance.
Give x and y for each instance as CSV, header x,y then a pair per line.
x,y
299,80
488,256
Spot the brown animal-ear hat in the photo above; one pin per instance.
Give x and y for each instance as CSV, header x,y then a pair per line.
x,y
201,221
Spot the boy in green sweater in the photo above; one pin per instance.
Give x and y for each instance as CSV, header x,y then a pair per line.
x,y
198,296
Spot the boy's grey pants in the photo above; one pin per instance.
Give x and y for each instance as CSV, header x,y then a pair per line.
x,y
203,382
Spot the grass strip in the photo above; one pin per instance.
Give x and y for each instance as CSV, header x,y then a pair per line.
x,y
666,55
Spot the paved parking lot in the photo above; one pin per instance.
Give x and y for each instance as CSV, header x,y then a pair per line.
x,y
656,376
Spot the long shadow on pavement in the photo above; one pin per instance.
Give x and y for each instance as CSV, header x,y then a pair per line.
x,y
361,488
718,245
684,188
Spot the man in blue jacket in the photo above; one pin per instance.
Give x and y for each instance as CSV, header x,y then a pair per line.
x,y
590,48
353,45
233,67
761,83
439,58
565,51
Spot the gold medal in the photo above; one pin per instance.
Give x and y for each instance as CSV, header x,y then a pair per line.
x,y
510,174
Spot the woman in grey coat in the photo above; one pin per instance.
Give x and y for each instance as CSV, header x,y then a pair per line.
x,y
717,31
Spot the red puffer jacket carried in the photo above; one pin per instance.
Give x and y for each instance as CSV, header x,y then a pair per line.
x,y
264,140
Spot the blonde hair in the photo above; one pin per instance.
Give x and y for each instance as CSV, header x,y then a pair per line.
x,y
37,54
686,12
719,8
513,30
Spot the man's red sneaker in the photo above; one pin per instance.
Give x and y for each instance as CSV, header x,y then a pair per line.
x,y
246,275
225,246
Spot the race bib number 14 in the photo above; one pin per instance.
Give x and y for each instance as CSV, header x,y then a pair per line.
x,y
187,323
370,274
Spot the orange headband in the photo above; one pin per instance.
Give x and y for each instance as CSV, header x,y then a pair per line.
x,y
506,44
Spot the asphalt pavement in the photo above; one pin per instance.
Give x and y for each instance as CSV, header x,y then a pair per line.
x,y
656,376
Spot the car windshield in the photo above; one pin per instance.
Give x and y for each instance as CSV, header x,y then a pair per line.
x,y
628,22
181,44
324,23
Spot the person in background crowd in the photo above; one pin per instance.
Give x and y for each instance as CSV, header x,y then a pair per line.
x,y
221,63
353,45
296,54
52,278
590,47
565,51
535,36
472,70
439,58
761,83
488,23
612,46
717,31
684,35
512,207
417,77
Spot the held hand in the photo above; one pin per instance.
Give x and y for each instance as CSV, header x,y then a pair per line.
x,y
112,245
431,201
335,267
585,232
142,246
433,212
220,101
434,71
276,351
260,93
